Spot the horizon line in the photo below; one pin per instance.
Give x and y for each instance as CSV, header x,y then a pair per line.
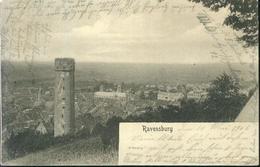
x,y
106,62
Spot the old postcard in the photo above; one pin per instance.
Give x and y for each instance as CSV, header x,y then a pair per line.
x,y
229,143
129,82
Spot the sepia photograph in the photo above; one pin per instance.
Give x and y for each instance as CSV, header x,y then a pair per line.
x,y
119,82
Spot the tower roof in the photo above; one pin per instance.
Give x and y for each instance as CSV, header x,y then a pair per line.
x,y
64,64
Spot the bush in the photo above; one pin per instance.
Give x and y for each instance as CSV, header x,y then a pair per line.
x,y
26,142
110,134
83,133
29,141
98,129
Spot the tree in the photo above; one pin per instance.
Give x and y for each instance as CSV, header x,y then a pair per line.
x,y
224,101
152,95
27,141
97,130
110,135
192,111
243,17
184,90
86,121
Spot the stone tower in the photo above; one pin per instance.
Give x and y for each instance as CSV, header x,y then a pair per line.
x,y
64,112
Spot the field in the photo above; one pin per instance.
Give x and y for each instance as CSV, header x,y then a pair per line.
x,y
86,151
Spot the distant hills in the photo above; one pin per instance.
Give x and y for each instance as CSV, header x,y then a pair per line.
x,y
128,73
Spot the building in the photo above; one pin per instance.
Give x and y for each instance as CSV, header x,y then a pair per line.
x,y
197,95
119,95
44,127
41,128
110,95
64,112
168,96
39,101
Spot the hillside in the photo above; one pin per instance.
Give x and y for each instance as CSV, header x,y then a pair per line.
x,y
86,151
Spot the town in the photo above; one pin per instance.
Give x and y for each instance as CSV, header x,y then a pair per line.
x,y
33,107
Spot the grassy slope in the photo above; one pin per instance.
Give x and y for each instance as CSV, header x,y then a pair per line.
x,y
87,151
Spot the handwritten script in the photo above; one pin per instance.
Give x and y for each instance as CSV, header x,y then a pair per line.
x,y
190,143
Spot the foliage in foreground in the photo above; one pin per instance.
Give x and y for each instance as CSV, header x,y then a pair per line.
x,y
243,17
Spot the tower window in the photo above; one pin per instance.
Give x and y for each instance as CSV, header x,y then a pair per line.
x,y
63,107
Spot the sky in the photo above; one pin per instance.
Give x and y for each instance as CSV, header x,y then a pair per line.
x,y
171,37
140,38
